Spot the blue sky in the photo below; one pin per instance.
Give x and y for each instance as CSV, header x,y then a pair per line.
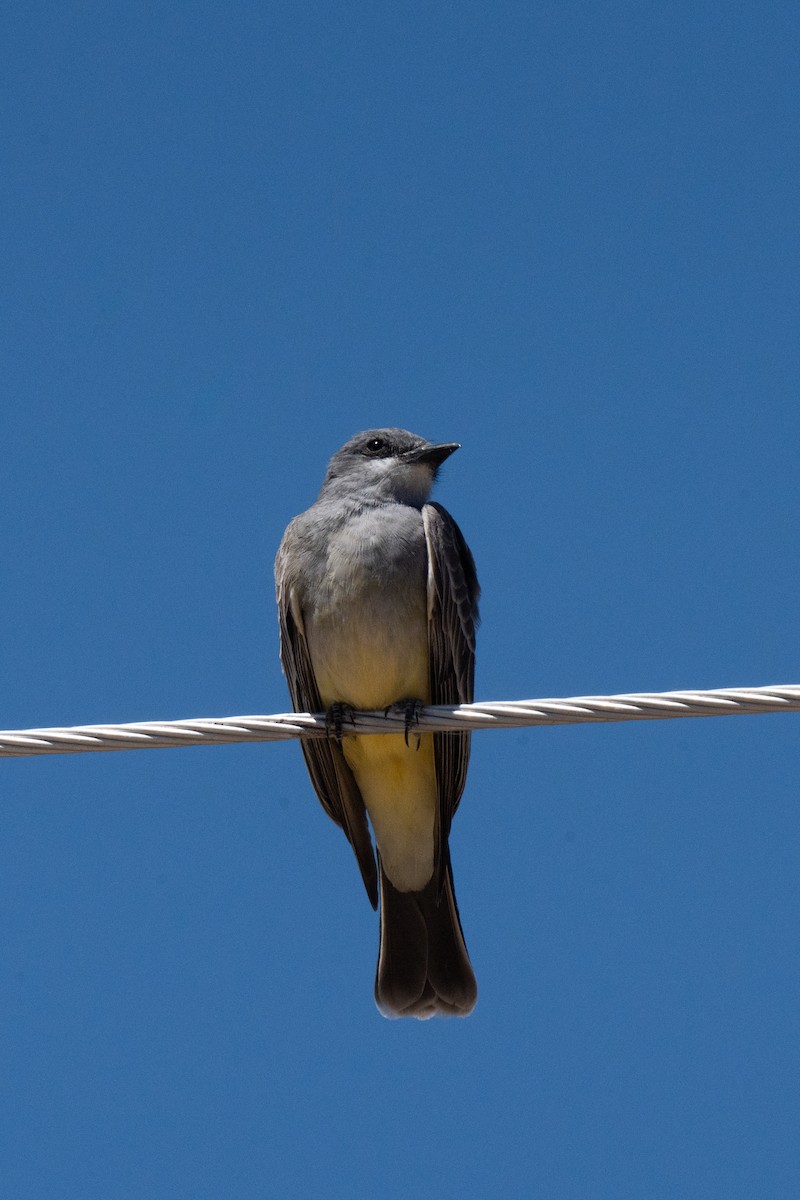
x,y
566,236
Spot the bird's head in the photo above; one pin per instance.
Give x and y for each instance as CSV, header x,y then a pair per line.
x,y
387,464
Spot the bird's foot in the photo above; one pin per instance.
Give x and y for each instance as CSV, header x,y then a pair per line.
x,y
411,710
335,718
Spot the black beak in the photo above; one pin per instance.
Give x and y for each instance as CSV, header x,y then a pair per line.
x,y
435,455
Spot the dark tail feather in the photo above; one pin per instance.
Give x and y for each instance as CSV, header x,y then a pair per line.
x,y
423,965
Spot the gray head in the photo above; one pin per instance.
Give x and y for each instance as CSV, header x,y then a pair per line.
x,y
387,464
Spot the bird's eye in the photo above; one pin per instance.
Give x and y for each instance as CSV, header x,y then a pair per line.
x,y
375,446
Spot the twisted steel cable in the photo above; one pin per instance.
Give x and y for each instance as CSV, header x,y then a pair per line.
x,y
500,714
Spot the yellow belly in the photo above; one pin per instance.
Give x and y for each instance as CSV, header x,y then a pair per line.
x,y
370,661
398,783
370,671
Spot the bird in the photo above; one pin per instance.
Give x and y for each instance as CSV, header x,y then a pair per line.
x,y
377,597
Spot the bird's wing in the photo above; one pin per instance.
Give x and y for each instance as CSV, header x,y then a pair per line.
x,y
332,778
453,594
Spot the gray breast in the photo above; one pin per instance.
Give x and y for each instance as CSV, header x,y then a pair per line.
x,y
377,556
366,620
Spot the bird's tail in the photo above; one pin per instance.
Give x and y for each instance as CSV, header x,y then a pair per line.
x,y
423,965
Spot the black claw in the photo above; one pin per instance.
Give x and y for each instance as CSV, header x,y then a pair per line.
x,y
335,718
411,710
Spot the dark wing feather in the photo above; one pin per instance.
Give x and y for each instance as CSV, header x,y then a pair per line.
x,y
332,778
453,594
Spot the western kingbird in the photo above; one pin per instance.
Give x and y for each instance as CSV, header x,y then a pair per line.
x,y
378,605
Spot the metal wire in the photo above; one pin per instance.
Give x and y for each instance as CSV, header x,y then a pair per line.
x,y
501,714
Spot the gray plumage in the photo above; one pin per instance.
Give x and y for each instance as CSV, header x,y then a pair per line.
x,y
378,605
